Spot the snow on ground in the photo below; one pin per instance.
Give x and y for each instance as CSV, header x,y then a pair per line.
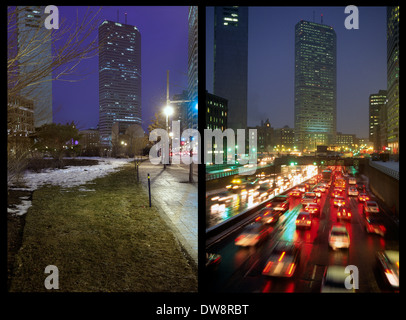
x,y
71,176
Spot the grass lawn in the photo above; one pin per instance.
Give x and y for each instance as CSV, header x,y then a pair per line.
x,y
106,239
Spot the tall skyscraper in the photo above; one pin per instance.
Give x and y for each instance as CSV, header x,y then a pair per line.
x,y
376,103
119,78
192,67
35,56
231,62
315,85
393,78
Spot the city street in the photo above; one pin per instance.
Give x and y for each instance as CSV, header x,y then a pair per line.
x,y
240,269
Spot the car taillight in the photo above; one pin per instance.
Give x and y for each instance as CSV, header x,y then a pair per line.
x,y
239,238
308,222
257,218
382,228
297,220
290,268
267,267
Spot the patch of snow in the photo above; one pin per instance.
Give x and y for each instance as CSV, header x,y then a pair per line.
x,y
72,175
20,209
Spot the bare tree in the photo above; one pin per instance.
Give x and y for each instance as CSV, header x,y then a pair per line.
x,y
36,56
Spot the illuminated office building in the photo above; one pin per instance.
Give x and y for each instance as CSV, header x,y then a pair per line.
x,y
393,78
119,78
315,85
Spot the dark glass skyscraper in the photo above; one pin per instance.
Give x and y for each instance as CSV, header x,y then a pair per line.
x,y
315,85
119,78
393,78
231,61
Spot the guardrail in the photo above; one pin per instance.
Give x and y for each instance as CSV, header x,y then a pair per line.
x,y
390,172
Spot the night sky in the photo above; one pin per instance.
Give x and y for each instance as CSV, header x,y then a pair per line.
x,y
361,63
164,39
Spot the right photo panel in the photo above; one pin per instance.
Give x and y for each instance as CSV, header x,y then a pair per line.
x,y
302,149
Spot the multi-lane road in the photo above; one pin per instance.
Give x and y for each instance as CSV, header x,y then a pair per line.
x,y
240,269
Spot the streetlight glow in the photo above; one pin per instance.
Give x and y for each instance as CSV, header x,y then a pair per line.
x,y
168,110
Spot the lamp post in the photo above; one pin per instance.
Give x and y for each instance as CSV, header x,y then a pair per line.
x,y
168,111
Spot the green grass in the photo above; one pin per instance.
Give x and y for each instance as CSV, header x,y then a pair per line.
x,y
107,240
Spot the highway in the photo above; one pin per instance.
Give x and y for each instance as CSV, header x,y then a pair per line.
x,y
240,269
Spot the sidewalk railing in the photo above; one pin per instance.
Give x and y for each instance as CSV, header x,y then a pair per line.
x,y
390,172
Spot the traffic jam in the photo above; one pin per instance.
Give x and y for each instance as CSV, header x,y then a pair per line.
x,y
304,237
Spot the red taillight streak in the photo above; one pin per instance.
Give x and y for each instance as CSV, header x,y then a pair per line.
x,y
267,267
291,268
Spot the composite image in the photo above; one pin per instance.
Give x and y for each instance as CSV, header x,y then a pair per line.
x,y
202,151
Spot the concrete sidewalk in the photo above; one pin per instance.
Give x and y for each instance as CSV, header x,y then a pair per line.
x,y
176,200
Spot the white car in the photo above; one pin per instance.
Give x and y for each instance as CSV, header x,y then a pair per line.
x,y
339,237
371,207
352,191
334,280
352,180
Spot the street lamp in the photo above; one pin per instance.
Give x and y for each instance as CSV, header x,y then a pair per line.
x,y
168,111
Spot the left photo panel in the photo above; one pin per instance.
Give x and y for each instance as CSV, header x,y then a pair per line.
x,y
102,149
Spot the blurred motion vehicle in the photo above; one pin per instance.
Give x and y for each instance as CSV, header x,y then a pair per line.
x,y
352,191
268,215
339,201
388,264
344,213
303,220
352,180
337,192
283,260
295,193
374,224
235,184
212,260
280,202
252,235
338,237
312,208
370,207
334,280
309,197
362,196
224,197
360,186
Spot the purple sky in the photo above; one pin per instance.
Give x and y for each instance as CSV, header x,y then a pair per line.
x,y
361,63
164,38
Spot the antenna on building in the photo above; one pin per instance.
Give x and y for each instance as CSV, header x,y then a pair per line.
x,y
125,15
321,18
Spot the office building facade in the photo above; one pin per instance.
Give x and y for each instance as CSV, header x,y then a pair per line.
x,y
315,85
192,67
376,103
119,78
393,78
231,62
35,56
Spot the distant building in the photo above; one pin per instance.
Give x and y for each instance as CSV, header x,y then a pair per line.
x,y
181,109
315,85
192,111
216,112
346,140
90,142
231,61
393,78
119,78
34,58
20,117
265,134
284,138
376,103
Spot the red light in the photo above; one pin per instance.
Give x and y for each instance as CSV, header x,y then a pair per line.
x,y
239,238
267,267
257,218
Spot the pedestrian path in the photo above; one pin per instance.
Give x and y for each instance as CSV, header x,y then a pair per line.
x,y
176,200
